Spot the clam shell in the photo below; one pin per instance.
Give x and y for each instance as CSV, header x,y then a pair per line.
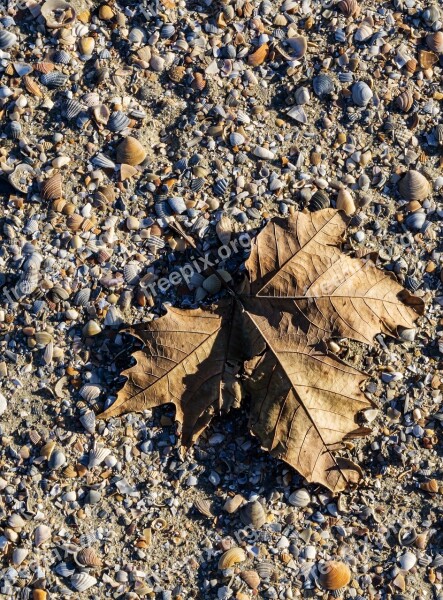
x,y
86,45
82,297
265,569
361,93
251,578
404,101
42,534
348,8
363,33
57,14
434,41
300,498
231,557
74,222
259,56
118,121
16,521
415,221
52,188
88,421
263,153
293,48
203,507
13,130
82,581
137,35
407,561
334,575
91,328
130,152
88,557
322,85
7,39
224,230
253,514
55,79
414,186
318,201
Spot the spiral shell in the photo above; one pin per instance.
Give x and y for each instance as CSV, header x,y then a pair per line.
x,y
361,93
414,186
434,41
334,575
130,152
52,188
231,557
404,101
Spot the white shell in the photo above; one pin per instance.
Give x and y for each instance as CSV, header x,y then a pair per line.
x,y
3,404
236,139
407,561
363,33
298,114
113,318
42,534
97,455
90,392
300,498
19,555
88,421
361,93
82,581
263,153
302,95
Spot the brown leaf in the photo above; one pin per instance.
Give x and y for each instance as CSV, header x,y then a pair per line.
x,y
301,291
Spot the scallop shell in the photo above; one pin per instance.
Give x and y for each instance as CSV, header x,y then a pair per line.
x,y
91,99
7,39
82,297
434,41
404,101
251,578
88,557
334,575
259,56
253,514
82,581
322,85
57,14
118,121
103,161
130,152
345,202
42,534
61,57
414,186
361,93
97,455
300,498
348,8
52,188
131,273
231,557
55,79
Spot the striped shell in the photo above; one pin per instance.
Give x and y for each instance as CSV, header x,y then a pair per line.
x,y
265,569
322,85
414,186
82,581
82,297
334,575
55,79
348,8
221,187
130,152
361,93
404,101
61,57
72,108
253,514
118,121
97,455
7,39
300,498
32,87
88,557
434,41
231,557
52,188
363,33
13,130
438,133
318,201
203,507
177,205
103,161
251,578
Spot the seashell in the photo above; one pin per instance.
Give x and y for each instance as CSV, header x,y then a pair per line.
x,y
130,152
177,205
86,45
318,201
334,575
427,59
61,57
404,101
348,8
137,35
103,161
363,33
322,85
51,189
88,421
199,82
438,134
74,222
32,86
224,230
82,581
131,273
72,108
16,521
176,73
251,578
253,514
63,570
259,56
162,209
434,41
97,455
411,283
91,328
105,194
105,12
7,39
297,47
236,139
345,202
19,555
90,391
55,79
265,569
118,121
243,118
57,14
203,507
220,187
414,186
91,99
430,486
415,221
197,184
113,317
421,540
88,557
47,449
300,498
13,130
361,93
42,534
302,95
298,114
407,561
57,460
22,177
231,557
82,297
263,153
167,31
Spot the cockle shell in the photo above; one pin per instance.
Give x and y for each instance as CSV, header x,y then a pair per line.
x,y
130,152
103,161
88,421
57,14
414,186
82,581
361,93
231,557
363,33
253,514
434,41
203,507
54,79
404,101
334,575
322,85
265,569
74,222
236,139
348,8
97,455
118,121
72,108
42,534
88,557
251,578
52,188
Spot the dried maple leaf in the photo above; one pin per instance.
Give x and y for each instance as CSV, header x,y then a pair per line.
x,y
301,291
